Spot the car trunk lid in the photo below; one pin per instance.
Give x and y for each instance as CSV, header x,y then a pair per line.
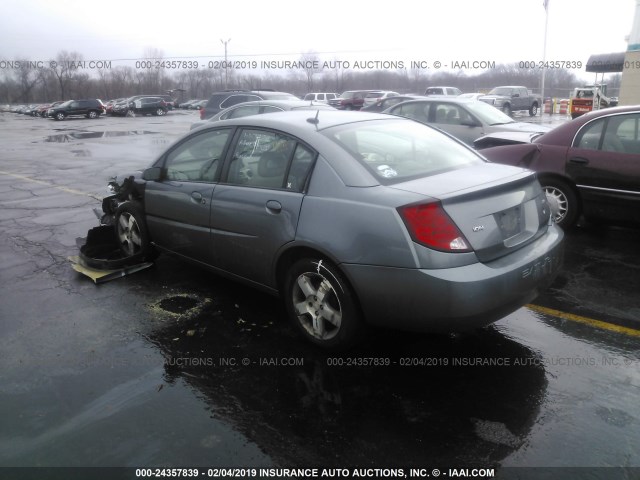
x,y
498,208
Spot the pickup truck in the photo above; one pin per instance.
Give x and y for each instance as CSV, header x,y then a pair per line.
x,y
350,100
512,99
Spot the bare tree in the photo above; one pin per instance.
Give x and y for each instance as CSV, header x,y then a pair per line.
x,y
65,68
311,66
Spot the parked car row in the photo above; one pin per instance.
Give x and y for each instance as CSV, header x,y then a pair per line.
x,y
93,108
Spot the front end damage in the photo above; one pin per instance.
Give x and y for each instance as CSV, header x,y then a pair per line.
x,y
103,255
127,189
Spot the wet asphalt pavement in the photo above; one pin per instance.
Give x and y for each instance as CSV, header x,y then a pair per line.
x,y
176,367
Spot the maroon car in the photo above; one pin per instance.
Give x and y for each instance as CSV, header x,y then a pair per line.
x,y
589,166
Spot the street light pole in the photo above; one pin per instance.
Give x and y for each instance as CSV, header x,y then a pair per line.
x,y
226,65
544,55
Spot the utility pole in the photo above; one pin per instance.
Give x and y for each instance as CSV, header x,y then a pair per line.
x,y
226,65
544,55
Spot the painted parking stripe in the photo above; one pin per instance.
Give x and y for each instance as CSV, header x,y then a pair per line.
x,y
584,320
57,187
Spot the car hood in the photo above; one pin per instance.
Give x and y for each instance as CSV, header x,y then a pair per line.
x,y
505,138
520,127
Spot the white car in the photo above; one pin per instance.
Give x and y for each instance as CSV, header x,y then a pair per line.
x,y
373,97
446,91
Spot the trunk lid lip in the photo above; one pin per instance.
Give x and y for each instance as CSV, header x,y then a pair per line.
x,y
473,180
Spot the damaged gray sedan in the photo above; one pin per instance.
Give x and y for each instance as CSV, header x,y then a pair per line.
x,y
353,219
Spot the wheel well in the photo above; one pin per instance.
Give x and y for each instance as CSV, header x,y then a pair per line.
x,y
566,180
291,256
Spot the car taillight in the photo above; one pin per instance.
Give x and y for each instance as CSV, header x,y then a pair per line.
x,y
202,114
429,225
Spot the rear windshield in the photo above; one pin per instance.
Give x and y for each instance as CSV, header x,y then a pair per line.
x,y
396,151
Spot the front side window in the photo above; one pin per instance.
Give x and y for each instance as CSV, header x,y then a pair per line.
x,y
590,135
611,134
198,158
416,111
449,114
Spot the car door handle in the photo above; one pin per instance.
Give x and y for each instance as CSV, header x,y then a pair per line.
x,y
579,160
198,198
274,206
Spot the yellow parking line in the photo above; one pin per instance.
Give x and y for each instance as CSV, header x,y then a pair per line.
x,y
587,321
57,187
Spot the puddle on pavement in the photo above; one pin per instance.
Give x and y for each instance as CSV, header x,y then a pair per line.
x,y
179,306
70,136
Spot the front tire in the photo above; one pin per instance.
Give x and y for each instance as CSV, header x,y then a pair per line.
x,y
321,304
563,202
506,109
132,234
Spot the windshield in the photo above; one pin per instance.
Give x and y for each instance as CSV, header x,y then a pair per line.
x,y
347,95
488,114
396,151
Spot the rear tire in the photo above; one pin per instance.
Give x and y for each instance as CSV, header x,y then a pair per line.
x,y
321,304
533,111
59,116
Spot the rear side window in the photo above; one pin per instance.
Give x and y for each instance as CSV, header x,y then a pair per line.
x,y
243,111
395,151
266,159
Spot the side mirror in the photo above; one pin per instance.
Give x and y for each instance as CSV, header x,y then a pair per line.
x,y
152,174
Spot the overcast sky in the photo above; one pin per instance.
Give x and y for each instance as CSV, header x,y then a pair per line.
x,y
495,30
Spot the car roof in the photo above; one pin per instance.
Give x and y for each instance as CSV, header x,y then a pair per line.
x,y
297,122
444,98
279,103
